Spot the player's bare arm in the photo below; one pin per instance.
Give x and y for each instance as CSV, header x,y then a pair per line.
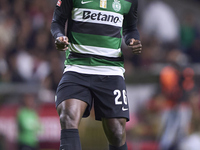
x,y
61,43
135,46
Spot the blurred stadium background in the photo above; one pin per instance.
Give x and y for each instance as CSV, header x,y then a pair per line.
x,y
163,83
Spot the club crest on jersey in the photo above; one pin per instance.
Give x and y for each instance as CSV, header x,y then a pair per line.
x,y
103,3
59,3
116,5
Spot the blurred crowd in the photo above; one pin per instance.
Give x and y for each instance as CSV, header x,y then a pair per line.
x,y
170,33
170,118
170,40
171,49
28,53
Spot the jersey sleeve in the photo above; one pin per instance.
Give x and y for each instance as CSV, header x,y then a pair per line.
x,y
130,23
61,13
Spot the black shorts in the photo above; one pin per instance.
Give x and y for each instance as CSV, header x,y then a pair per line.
x,y
107,92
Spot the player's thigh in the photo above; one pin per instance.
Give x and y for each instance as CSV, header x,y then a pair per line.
x,y
73,99
113,125
70,112
115,131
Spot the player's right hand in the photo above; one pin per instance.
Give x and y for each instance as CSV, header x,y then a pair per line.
x,y
61,43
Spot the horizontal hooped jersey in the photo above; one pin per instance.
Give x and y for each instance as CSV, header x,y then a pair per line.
x,y
95,29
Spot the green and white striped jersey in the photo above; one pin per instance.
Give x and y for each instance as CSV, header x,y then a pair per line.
x,y
95,29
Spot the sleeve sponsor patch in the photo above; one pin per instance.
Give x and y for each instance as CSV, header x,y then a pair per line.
x,y
59,3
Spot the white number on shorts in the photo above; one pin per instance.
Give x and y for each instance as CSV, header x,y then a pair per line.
x,y
125,97
118,95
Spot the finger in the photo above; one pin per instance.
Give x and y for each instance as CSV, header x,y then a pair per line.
x,y
62,39
131,41
137,52
65,47
137,49
137,42
65,40
136,46
61,46
62,49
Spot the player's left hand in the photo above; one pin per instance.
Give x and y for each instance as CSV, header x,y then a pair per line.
x,y
135,46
